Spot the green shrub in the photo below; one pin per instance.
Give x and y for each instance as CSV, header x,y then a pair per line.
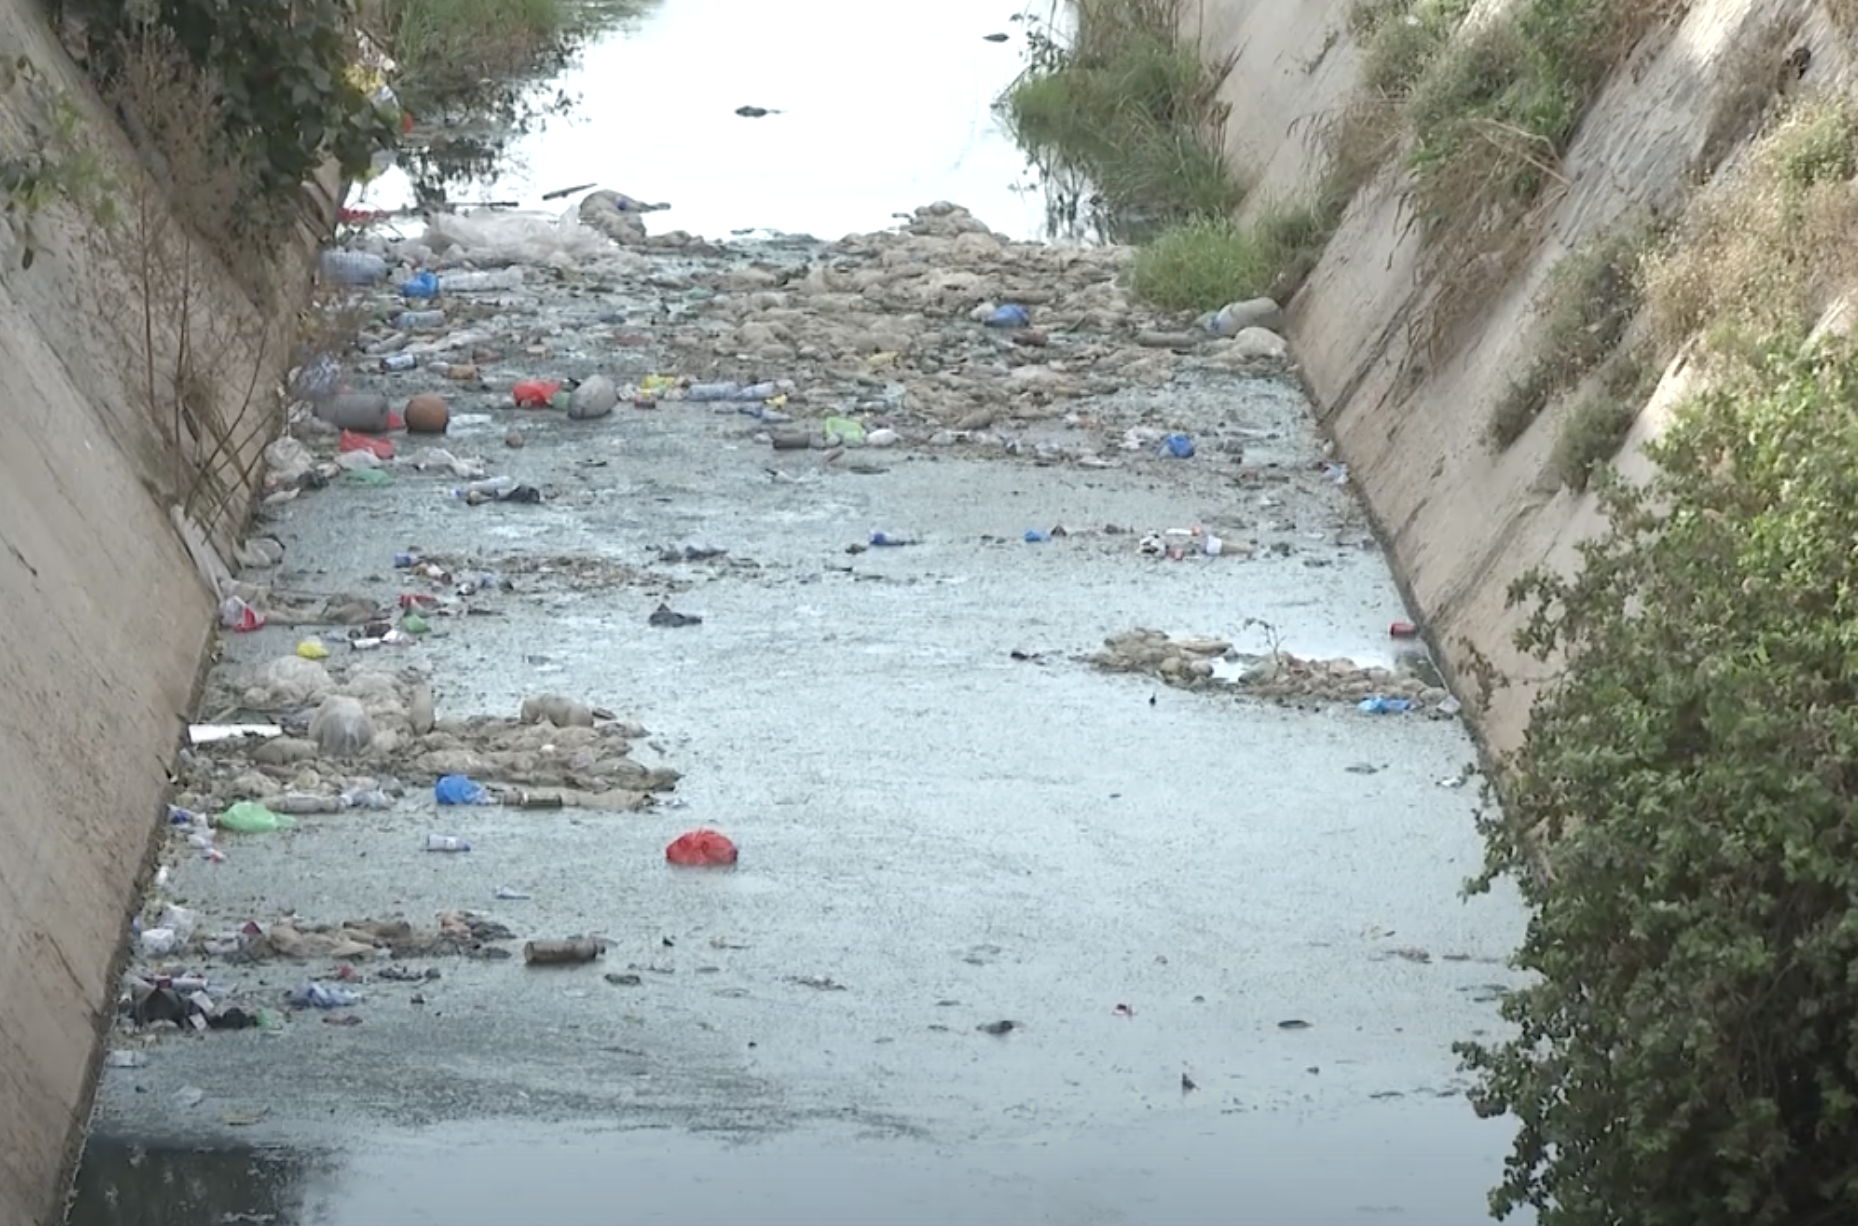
x,y
1686,1053
1204,263
1130,106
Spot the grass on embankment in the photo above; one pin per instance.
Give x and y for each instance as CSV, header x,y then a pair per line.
x,y
1128,104
448,48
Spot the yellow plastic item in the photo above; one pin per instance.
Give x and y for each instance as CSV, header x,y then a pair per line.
x,y
652,385
312,649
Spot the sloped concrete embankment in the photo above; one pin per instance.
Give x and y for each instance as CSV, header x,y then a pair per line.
x,y
107,620
1462,520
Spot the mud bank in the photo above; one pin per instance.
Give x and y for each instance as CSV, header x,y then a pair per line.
x,y
1410,416
107,620
816,557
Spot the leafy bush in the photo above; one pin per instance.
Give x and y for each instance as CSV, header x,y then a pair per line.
x,y
284,75
1688,1052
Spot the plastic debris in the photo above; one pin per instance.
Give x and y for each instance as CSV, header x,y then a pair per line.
x,y
459,790
250,817
701,849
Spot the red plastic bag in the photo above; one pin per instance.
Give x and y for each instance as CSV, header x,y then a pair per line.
x,y
701,849
534,393
350,441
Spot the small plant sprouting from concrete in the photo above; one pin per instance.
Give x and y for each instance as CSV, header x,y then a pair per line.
x,y
57,165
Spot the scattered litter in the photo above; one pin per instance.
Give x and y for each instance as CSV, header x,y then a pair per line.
x,y
212,734
321,996
1008,315
884,540
1403,630
1123,1011
1380,704
250,817
665,617
559,953
447,842
236,615
701,849
1004,1026
459,790
505,893
1178,446
121,1058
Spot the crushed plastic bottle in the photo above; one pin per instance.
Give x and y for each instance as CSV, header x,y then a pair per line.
x,y
366,798
420,285
489,487
322,996
420,321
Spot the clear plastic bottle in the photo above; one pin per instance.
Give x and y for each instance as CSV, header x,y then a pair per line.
x,y
479,282
447,842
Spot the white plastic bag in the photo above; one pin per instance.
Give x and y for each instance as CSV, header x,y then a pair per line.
x,y
490,236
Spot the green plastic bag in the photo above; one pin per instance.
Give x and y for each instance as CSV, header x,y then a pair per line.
x,y
250,817
843,430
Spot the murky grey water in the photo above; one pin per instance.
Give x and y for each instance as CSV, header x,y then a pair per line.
x,y
1153,883
878,112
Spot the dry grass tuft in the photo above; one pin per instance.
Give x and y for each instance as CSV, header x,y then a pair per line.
x,y
1768,247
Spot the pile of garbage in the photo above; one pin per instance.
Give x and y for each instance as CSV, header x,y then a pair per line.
x,y
1192,662
344,738
938,334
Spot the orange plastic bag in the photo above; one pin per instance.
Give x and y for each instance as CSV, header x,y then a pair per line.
x,y
534,393
701,849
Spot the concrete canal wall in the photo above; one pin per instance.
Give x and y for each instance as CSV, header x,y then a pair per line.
x,y
107,618
1462,520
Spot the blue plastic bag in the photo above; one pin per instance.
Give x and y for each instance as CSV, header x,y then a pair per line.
x,y
1012,315
1381,705
1180,446
459,790
420,285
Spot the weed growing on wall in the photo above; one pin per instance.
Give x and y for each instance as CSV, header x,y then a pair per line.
x,y
1687,1051
56,163
1591,297
1489,121
1129,105
1768,246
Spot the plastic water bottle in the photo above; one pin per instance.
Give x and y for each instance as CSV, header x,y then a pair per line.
x,y
352,267
420,320
490,486
447,842
395,362
478,282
